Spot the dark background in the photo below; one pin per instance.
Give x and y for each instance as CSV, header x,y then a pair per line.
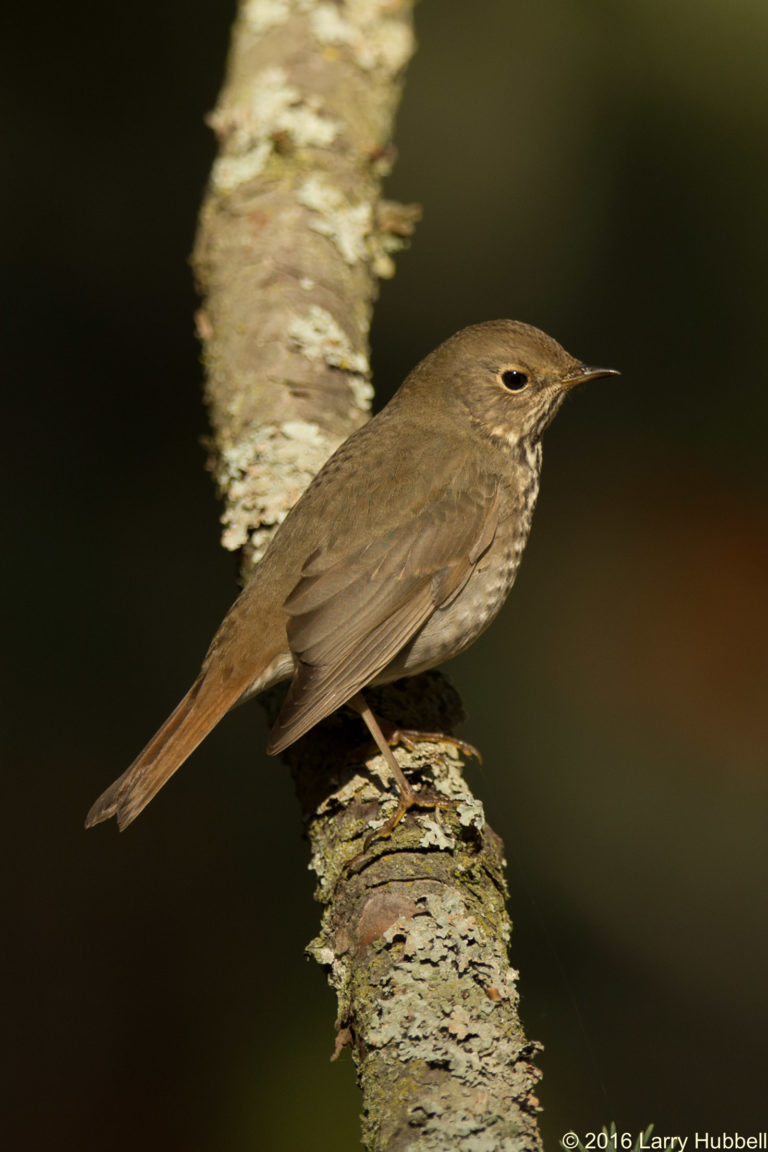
x,y
597,169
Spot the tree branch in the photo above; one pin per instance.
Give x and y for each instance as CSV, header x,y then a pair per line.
x,y
292,236
291,241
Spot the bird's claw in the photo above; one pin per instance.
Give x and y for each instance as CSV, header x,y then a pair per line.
x,y
410,738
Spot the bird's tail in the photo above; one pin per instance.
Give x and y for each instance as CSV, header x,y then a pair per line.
x,y
186,727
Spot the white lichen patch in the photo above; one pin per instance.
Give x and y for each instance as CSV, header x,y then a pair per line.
x,y
264,474
471,814
273,108
319,337
261,15
448,780
381,246
375,39
324,956
347,225
229,172
362,391
357,785
435,834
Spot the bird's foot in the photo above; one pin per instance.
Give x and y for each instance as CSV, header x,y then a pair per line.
x,y
410,738
408,799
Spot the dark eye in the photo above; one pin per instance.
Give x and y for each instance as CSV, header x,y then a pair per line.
x,y
514,380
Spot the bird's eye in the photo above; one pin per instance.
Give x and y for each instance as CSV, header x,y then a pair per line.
x,y
513,379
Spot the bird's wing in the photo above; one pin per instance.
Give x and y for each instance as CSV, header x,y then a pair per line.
x,y
352,612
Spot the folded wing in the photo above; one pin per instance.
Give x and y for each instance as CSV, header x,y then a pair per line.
x,y
352,611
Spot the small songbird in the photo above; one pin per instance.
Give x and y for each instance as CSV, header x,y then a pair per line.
x,y
397,556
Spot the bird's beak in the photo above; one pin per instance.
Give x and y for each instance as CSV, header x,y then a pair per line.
x,y
586,372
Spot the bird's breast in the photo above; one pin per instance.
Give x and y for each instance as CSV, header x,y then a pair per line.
x,y
451,629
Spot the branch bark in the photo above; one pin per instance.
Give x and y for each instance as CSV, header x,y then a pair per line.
x,y
293,234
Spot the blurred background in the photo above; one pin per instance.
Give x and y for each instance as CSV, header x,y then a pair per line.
x,y
597,169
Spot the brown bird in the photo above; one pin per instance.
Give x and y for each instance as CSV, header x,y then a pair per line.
x,y
397,556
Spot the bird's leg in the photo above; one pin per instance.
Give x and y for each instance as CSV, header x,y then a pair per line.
x,y
408,797
361,706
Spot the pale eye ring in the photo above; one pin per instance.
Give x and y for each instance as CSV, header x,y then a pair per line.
x,y
513,379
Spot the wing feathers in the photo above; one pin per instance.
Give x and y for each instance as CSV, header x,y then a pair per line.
x,y
350,614
318,690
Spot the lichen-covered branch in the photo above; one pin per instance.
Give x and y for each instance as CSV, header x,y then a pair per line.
x,y
293,235
415,939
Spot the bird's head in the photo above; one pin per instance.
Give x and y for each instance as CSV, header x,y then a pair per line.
x,y
509,377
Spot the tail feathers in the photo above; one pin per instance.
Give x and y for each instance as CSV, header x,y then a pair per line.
x,y
186,727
